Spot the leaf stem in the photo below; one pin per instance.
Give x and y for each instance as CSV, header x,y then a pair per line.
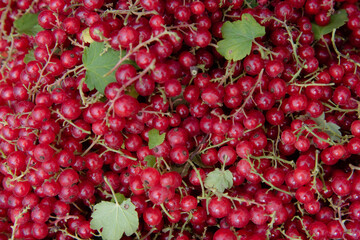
x,y
266,181
15,226
199,176
166,211
95,141
111,189
250,93
322,139
116,151
71,123
295,76
293,45
149,233
338,52
217,145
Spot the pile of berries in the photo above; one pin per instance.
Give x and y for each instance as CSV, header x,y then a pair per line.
x,y
177,118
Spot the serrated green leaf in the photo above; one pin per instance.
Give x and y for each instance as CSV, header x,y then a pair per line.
x,y
219,179
113,220
151,160
238,37
155,138
320,121
119,197
28,24
333,129
337,20
98,61
29,57
330,128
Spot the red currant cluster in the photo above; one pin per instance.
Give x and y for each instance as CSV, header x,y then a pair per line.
x,y
130,102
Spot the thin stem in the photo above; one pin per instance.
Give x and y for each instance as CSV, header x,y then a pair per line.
x,y
95,141
131,81
70,235
266,181
250,94
304,227
10,51
71,123
199,176
287,236
65,218
4,15
166,211
134,50
354,167
186,222
242,200
217,145
58,81
112,190
293,45
115,151
322,139
34,89
296,75
338,52
313,84
291,163
148,234
15,226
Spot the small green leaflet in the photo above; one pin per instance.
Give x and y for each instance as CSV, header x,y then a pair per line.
x,y
98,61
119,197
29,57
151,160
219,179
336,21
85,35
197,160
28,24
114,219
155,138
330,128
183,170
251,3
238,37
132,91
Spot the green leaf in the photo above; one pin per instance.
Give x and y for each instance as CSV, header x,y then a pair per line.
x,y
85,36
113,220
99,60
29,57
28,24
183,170
336,21
132,91
238,37
219,179
198,162
333,129
151,160
119,197
251,3
330,128
155,138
